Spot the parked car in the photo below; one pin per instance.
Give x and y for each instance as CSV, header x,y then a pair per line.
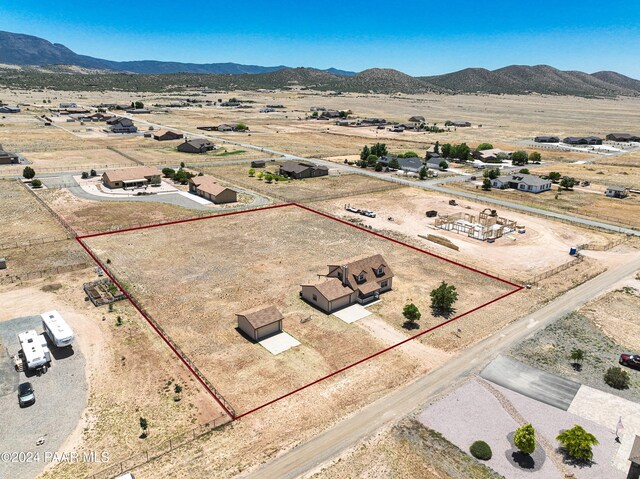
x,y
630,360
26,396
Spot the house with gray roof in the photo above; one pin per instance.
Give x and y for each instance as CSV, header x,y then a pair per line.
x,y
546,139
406,164
617,192
522,182
582,140
302,169
196,145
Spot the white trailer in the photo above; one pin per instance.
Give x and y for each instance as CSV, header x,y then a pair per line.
x,y
59,332
34,349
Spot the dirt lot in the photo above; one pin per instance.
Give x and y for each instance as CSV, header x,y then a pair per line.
x,y
545,244
87,216
600,174
170,156
245,373
310,189
589,202
98,158
124,380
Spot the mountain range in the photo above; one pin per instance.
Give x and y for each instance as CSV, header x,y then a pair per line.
x,y
42,63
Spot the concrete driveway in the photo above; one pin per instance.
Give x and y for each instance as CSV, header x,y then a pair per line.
x,y
61,398
352,313
531,382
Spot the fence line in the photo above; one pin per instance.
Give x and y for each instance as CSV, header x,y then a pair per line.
x,y
60,219
31,242
168,339
577,260
44,272
605,247
12,171
125,155
161,449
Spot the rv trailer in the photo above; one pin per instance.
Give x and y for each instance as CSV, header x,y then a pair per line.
x,y
34,349
59,332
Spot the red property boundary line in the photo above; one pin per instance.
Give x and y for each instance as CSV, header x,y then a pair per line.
x,y
233,416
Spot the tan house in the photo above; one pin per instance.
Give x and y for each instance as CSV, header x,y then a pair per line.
x,y
131,177
260,322
206,187
358,280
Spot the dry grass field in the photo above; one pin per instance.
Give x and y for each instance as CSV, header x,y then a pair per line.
x,y
168,155
588,202
601,174
310,189
89,158
273,253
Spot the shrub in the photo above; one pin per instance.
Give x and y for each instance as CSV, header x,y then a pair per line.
x,y
578,443
36,183
481,450
168,172
525,439
84,175
93,173
617,378
484,146
378,167
28,172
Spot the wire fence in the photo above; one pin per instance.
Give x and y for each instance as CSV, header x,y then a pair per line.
x,y
53,213
17,170
44,272
161,449
563,267
603,247
31,242
125,155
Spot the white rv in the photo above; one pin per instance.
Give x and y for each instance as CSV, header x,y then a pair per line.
x,y
34,348
59,332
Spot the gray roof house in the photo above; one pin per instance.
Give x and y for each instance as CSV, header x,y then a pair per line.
x,y
617,191
582,140
546,139
8,158
622,137
406,164
9,109
522,182
302,169
196,145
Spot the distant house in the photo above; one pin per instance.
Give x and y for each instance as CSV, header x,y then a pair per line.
x,y
9,109
131,177
206,187
358,280
546,139
207,128
582,140
196,145
225,127
342,122
138,111
167,135
8,158
522,182
433,162
258,164
406,164
99,117
617,191
417,119
458,124
68,105
397,129
302,169
622,137
493,154
373,121
121,125
260,322
267,110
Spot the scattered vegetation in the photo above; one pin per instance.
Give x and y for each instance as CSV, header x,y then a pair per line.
x,y
617,378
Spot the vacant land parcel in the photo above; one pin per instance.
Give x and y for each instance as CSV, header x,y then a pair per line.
x,y
233,263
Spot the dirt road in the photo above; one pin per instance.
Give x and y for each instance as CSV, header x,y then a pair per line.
x,y
349,432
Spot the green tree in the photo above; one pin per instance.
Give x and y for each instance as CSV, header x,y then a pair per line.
x,y
446,150
460,152
411,312
393,163
28,172
443,165
364,154
443,297
144,425
555,176
617,378
535,157
423,172
372,160
182,164
241,127
519,158
252,172
484,146
578,443
182,177
436,147
378,167
494,173
524,171
486,184
268,177
379,149
168,172
410,154
577,356
139,105
567,183
525,439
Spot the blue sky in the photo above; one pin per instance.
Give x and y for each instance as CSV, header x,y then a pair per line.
x,y
419,38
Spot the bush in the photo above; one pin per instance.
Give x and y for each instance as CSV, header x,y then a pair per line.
x,y
617,378
36,183
168,172
28,172
84,175
481,450
93,173
578,443
378,167
484,146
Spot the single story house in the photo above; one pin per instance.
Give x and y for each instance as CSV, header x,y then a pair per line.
x,y
267,110
417,119
131,177
458,124
373,121
138,111
622,137
434,162
493,154
546,139
397,129
582,140
207,128
342,123
260,322
258,164
121,125
8,158
302,169
9,109
68,105
167,135
617,191
206,187
196,145
406,164
358,280
522,182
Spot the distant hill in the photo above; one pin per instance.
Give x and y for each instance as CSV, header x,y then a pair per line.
x,y
21,49
48,65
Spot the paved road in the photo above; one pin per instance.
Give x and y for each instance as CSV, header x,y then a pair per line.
x,y
531,382
350,431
